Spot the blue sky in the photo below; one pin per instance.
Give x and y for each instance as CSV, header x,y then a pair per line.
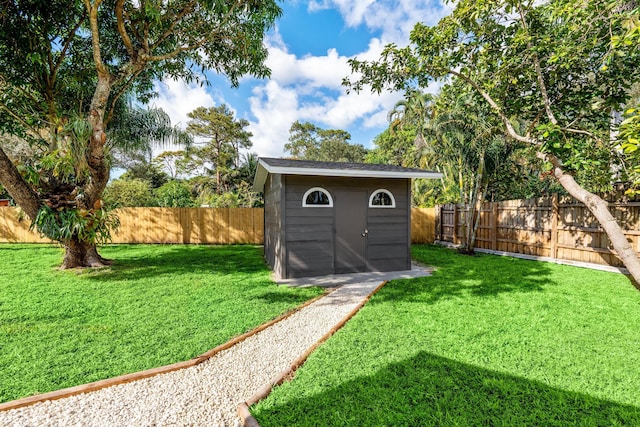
x,y
308,53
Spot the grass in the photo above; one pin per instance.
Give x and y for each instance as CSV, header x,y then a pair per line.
x,y
486,340
155,306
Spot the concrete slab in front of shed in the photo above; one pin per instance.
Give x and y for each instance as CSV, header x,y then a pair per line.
x,y
335,280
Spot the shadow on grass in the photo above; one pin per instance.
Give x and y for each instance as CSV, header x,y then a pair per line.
x,y
457,275
174,260
428,390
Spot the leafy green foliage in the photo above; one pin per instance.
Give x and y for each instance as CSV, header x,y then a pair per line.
x,y
394,147
310,142
128,192
630,138
174,194
91,226
220,138
149,172
486,340
157,305
242,196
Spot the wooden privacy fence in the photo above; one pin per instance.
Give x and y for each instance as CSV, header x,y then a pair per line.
x,y
190,225
161,225
555,227
423,225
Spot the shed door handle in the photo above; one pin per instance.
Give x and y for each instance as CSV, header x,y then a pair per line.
x,y
365,233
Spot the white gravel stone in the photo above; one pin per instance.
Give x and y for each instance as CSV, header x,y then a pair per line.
x,y
206,394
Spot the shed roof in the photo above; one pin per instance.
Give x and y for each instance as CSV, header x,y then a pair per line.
x,y
268,165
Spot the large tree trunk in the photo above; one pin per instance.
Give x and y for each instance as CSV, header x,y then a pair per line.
x,y
600,210
81,254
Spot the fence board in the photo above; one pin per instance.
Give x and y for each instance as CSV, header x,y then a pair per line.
x,y
191,226
423,225
551,226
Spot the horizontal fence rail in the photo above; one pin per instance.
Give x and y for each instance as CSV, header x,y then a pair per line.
x,y
191,226
554,227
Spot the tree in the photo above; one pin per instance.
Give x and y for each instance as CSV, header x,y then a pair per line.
x,y
174,194
548,65
239,181
394,147
135,131
148,172
310,142
170,161
458,137
128,193
66,68
224,137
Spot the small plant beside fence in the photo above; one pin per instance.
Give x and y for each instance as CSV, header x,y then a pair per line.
x,y
555,227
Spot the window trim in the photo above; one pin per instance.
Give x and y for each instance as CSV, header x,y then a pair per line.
x,y
311,190
387,192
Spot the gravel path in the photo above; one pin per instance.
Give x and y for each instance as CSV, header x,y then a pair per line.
x,y
206,394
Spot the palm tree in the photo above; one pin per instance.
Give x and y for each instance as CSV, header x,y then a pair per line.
x,y
458,137
136,130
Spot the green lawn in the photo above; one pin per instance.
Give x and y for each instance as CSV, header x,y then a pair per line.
x,y
155,306
486,340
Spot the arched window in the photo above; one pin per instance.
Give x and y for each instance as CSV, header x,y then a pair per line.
x,y
317,197
382,199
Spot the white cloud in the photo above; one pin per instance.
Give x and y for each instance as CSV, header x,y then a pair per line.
x,y
318,71
178,98
393,18
274,108
310,89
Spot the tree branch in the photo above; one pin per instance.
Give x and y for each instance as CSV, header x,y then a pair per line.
x,y
496,108
177,51
582,132
17,187
34,130
95,35
189,47
538,69
175,19
123,89
65,47
122,30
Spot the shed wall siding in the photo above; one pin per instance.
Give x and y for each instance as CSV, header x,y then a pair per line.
x,y
309,231
389,237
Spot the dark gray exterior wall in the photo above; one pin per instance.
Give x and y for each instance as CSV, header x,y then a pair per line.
x,y
308,230
308,233
273,224
389,239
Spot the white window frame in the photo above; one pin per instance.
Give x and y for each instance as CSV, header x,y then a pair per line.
x,y
311,190
387,192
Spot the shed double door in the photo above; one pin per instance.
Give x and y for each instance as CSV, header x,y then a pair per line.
x,y
350,209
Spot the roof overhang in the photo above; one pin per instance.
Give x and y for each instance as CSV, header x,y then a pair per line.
x,y
265,169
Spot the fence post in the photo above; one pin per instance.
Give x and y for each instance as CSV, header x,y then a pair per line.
x,y
494,226
554,225
185,222
454,236
437,230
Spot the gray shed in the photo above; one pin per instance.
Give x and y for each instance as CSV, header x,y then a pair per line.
x,y
325,218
